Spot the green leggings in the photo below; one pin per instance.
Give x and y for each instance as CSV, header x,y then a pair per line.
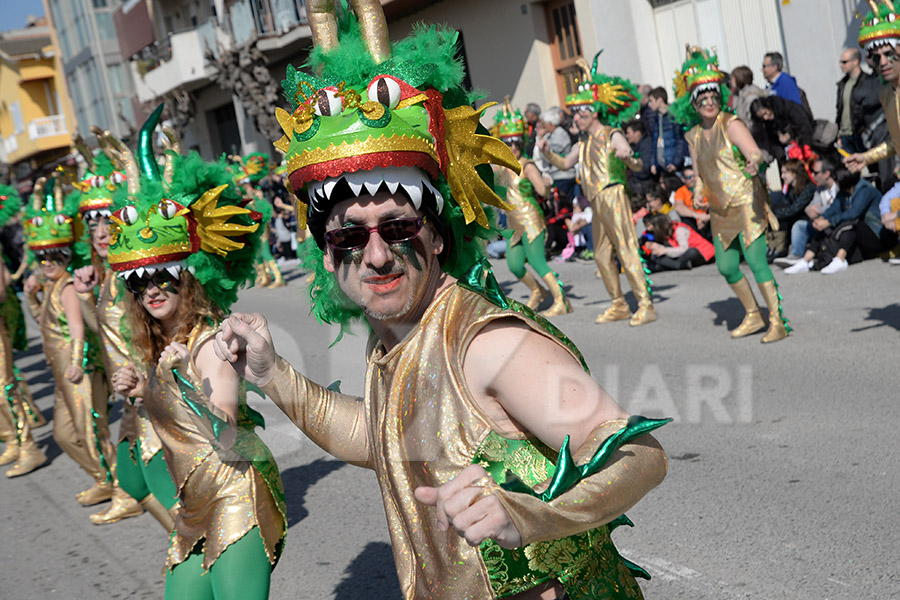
x,y
531,252
242,572
728,260
139,479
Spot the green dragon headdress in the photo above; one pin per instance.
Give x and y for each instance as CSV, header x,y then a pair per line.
x,y
614,99
252,168
880,27
50,218
699,73
376,114
189,216
509,125
100,181
10,204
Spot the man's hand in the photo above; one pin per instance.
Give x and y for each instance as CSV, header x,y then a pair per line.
x,y
671,168
889,220
656,249
821,224
74,374
128,381
855,162
31,285
85,279
245,342
653,169
752,168
813,211
464,504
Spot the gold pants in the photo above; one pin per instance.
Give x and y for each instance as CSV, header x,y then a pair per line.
x,y
73,423
614,234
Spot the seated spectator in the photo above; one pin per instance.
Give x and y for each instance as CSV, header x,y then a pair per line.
x,y
692,210
788,204
773,116
666,135
657,199
557,209
674,246
636,134
833,246
579,226
638,212
743,93
826,191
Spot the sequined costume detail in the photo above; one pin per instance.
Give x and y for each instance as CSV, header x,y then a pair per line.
x,y
527,220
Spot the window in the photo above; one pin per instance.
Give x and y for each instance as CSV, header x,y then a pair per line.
x,y
117,79
15,112
105,28
565,44
100,4
62,28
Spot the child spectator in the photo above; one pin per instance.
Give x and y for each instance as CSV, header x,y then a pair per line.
x,y
674,246
692,210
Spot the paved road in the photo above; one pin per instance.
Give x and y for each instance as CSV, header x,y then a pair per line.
x,y
782,479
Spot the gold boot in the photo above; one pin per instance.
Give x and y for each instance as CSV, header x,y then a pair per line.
x,y
158,511
123,506
538,293
97,493
35,418
560,304
643,315
777,329
617,311
275,273
30,458
753,320
11,454
262,276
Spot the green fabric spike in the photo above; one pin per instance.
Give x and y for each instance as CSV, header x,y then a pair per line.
x,y
12,410
95,416
198,408
335,386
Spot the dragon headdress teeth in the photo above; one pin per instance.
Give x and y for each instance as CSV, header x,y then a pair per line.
x,y
509,125
880,27
370,106
410,179
50,218
614,99
698,74
190,216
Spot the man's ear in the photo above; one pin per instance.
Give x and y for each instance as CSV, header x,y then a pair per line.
x,y
328,261
438,245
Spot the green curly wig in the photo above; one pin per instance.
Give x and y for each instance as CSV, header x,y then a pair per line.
x,y
700,73
10,203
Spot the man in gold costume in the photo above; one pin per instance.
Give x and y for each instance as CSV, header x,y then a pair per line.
x,y
600,105
498,479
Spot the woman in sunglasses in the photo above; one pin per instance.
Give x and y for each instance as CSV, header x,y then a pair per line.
x,y
141,478
81,392
182,263
728,163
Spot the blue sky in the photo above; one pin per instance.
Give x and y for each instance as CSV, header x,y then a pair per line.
x,y
16,11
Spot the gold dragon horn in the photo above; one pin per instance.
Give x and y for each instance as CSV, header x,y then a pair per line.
x,y
323,23
123,154
373,27
171,142
83,150
37,194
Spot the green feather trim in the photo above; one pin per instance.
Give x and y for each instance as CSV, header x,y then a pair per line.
x,y
11,206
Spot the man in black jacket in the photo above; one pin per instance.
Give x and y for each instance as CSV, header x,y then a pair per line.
x,y
860,118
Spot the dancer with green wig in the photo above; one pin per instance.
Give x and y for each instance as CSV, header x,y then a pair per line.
x,y
728,162
502,465
142,481
18,415
251,170
601,105
528,230
183,243
79,413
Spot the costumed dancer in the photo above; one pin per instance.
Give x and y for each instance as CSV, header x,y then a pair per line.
x,y
18,415
253,168
79,427
183,243
141,479
728,163
525,245
600,106
398,225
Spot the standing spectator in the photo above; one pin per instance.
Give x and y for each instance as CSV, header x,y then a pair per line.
x,y
859,111
777,122
744,92
667,136
532,116
693,211
781,84
636,134
560,142
645,113
826,191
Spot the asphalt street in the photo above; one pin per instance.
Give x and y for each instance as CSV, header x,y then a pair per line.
x,y
782,459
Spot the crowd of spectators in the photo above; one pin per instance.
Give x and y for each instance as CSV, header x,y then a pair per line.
x,y
828,218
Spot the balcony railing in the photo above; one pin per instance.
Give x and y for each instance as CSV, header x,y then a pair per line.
x,y
10,145
265,18
47,127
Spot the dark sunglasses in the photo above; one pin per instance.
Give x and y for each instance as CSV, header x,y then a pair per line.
x,y
163,280
394,231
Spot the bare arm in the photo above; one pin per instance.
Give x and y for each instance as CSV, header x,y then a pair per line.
x,y
624,152
536,179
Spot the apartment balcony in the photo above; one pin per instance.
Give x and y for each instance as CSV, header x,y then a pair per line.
x,y
178,62
10,145
45,127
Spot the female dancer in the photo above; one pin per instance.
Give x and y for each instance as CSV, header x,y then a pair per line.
x,y
182,262
529,231
727,161
81,392
142,480
19,414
